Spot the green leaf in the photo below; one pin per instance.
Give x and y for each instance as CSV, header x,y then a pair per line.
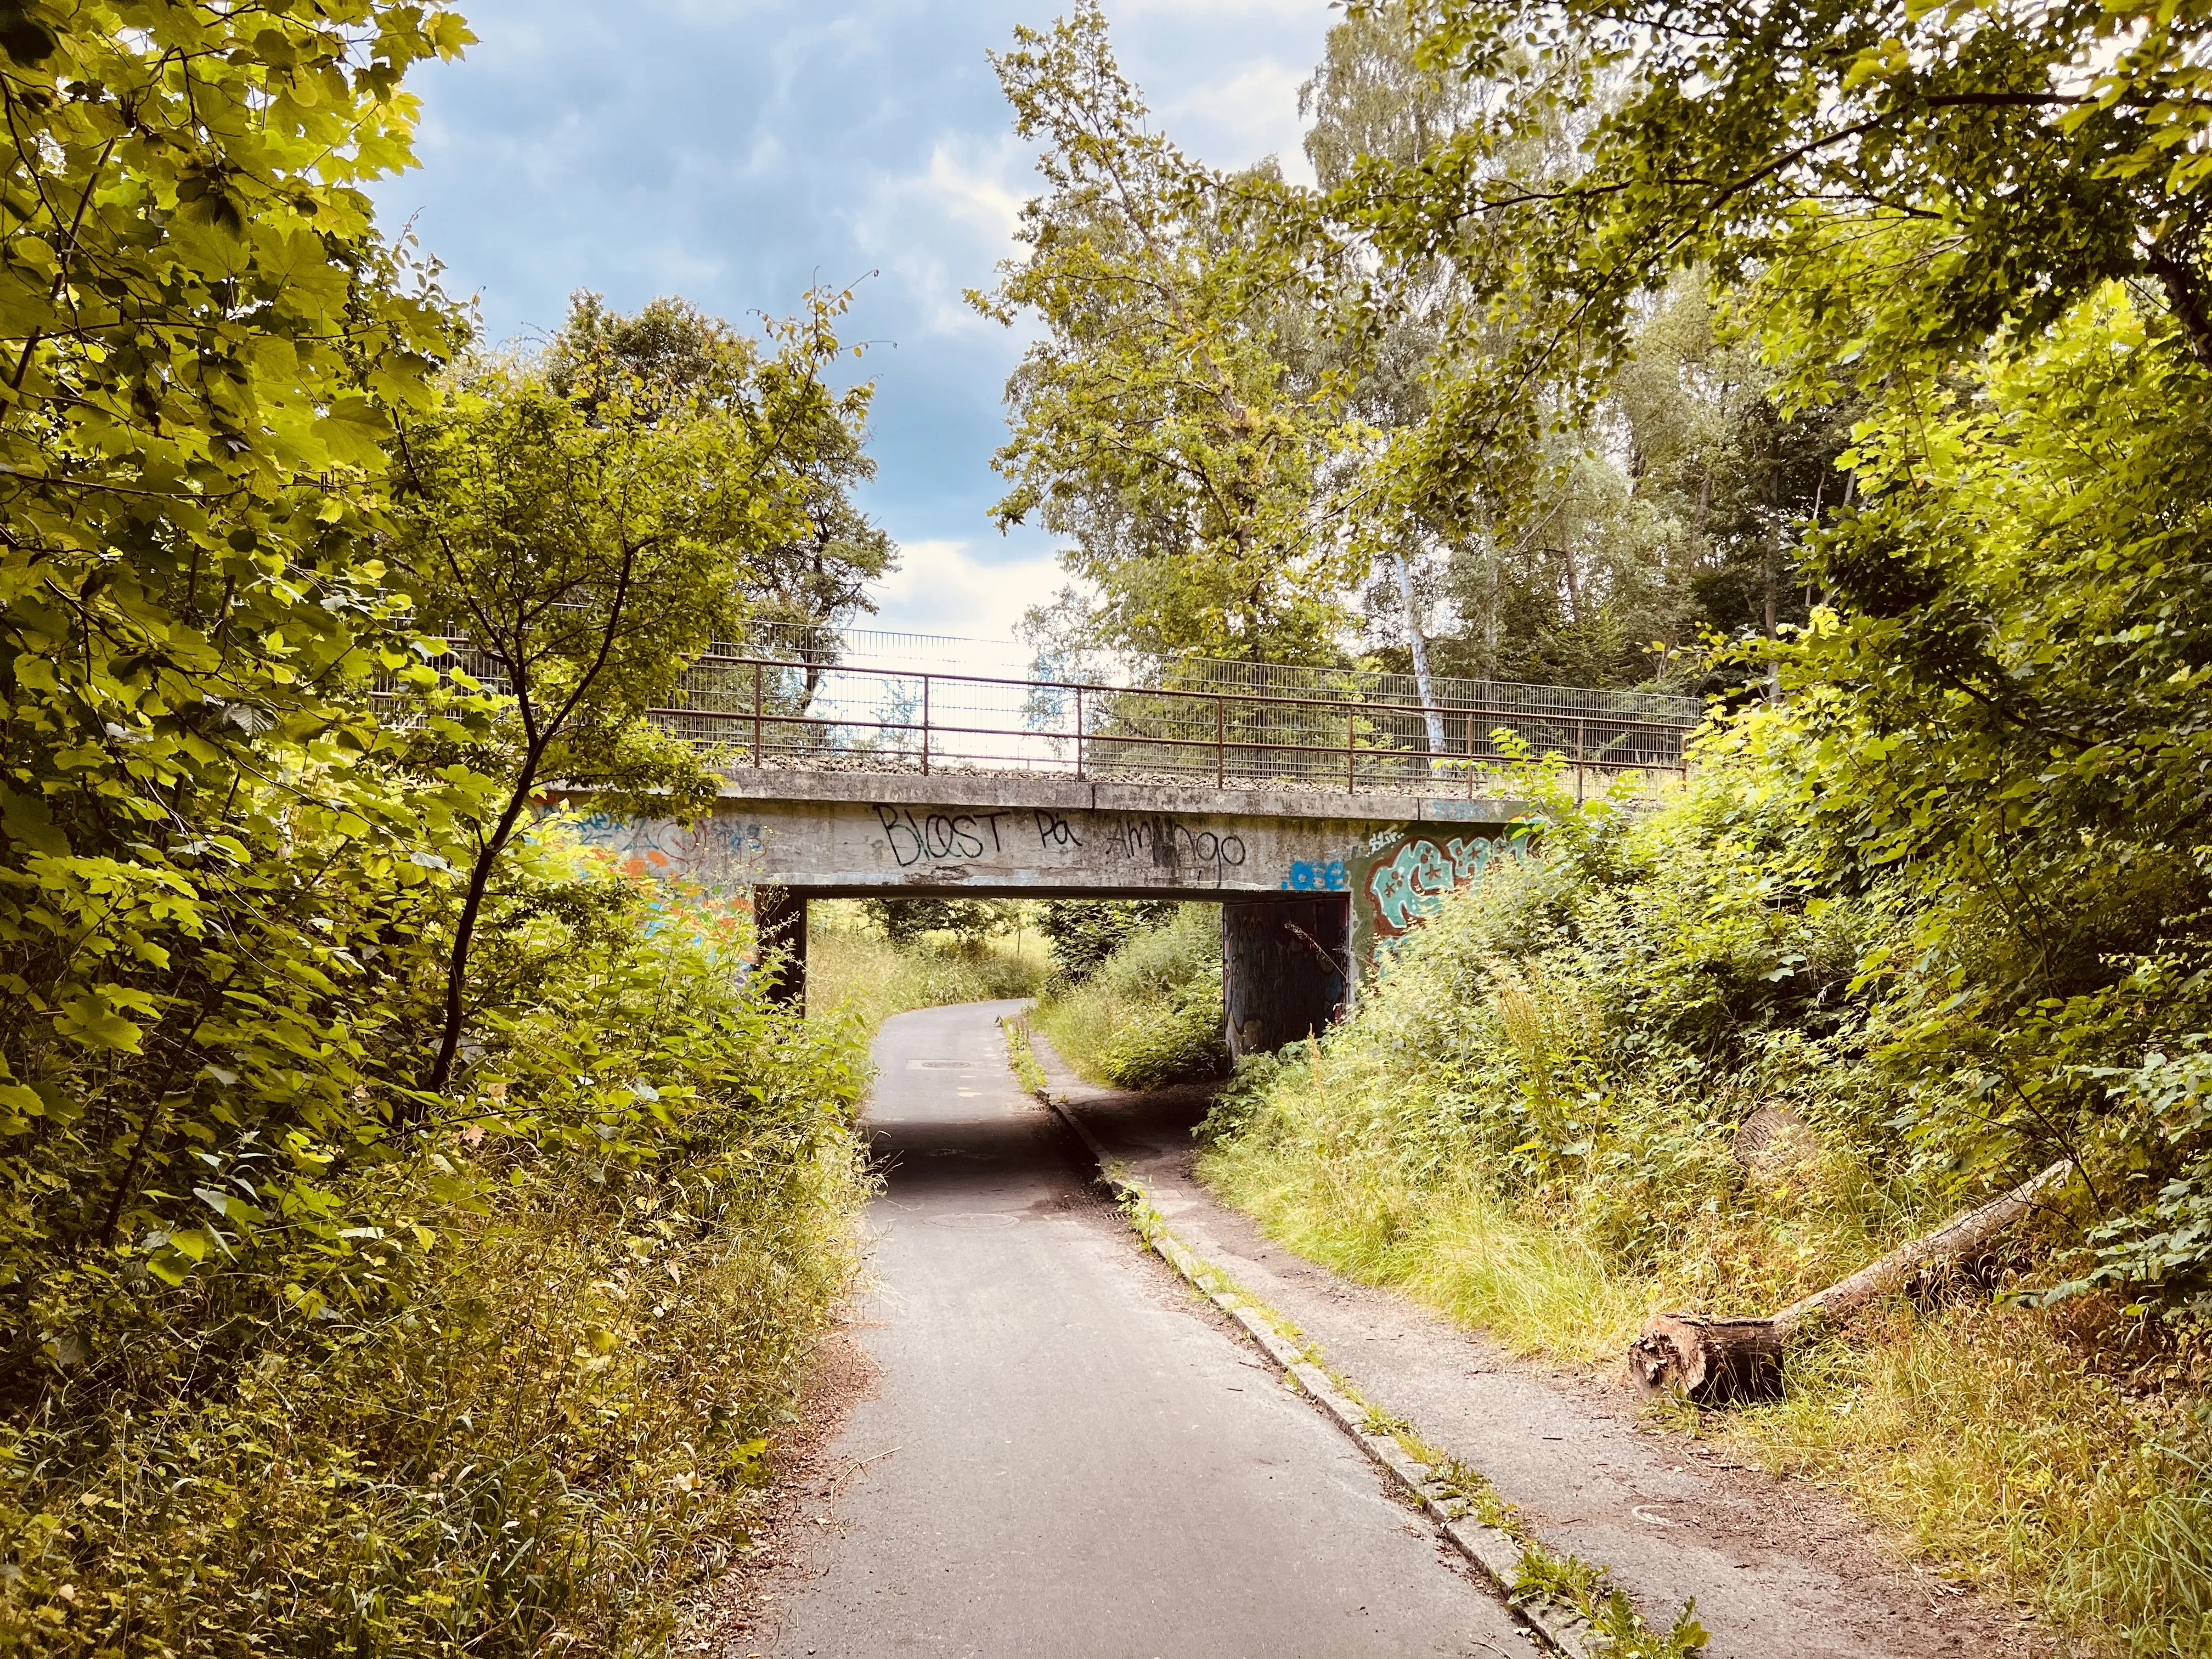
x,y
92,1020
29,823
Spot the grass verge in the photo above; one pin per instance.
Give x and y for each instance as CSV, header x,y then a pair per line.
x,y
1987,1440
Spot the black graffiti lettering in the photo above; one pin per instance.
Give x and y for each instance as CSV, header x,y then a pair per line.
x,y
1232,851
1162,833
991,819
1054,830
963,831
897,824
1207,846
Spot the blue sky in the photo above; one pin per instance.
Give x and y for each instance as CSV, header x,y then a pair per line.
x,y
735,151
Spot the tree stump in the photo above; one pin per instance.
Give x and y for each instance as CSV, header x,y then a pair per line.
x,y
1716,1362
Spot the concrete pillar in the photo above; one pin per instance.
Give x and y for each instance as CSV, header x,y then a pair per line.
x,y
780,917
1283,969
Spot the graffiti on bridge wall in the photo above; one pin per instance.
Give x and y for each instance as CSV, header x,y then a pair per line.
x,y
1167,843
1413,884
941,837
715,846
1101,841
705,873
1407,876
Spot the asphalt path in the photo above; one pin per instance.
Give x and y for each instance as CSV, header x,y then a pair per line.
x,y
1066,1456
1778,1569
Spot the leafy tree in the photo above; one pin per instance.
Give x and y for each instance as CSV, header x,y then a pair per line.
x,y
968,921
2005,176
1156,421
1085,932
2010,709
670,350
1370,97
1589,553
203,340
1978,232
590,527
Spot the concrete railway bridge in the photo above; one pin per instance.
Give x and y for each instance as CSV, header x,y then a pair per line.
x,y
1327,812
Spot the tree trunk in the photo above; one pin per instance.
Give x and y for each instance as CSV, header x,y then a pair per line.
x,y
1773,620
465,928
1431,715
1714,1361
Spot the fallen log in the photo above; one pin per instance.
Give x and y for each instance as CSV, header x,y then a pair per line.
x,y
1714,1361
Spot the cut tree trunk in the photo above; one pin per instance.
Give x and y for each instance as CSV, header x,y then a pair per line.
x,y
1715,1361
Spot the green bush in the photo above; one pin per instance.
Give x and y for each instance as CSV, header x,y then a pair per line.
x,y
1149,1012
522,1400
1085,932
1531,1120
969,921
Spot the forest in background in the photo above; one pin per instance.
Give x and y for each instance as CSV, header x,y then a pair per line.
x,y
1227,420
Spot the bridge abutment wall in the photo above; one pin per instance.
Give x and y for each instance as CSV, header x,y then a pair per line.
x,y
780,922
1286,970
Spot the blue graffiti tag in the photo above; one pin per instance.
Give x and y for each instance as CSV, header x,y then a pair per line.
x,y
1305,878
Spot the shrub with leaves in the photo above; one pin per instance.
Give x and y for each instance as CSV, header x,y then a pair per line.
x,y
530,1399
296,1355
1149,1012
1085,932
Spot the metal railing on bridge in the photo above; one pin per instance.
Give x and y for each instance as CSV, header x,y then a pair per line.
x,y
1227,725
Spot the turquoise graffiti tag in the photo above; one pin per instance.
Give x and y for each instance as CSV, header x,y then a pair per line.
x,y
1413,884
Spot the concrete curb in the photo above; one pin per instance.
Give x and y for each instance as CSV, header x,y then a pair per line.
x,y
1493,1552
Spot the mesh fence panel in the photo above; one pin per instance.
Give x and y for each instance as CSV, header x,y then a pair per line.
x,y
876,700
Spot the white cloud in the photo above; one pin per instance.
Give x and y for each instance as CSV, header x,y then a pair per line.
x,y
1234,120
937,232
736,150
942,587
976,192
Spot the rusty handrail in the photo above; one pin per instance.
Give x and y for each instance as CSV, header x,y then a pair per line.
x,y
1386,739
1220,745
1079,687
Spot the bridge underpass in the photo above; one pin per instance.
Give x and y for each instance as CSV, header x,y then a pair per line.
x,y
1312,886
1061,1457
1326,810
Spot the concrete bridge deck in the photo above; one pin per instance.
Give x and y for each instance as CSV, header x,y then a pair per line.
x,y
844,833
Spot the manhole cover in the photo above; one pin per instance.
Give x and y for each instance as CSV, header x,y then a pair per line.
x,y
974,1220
